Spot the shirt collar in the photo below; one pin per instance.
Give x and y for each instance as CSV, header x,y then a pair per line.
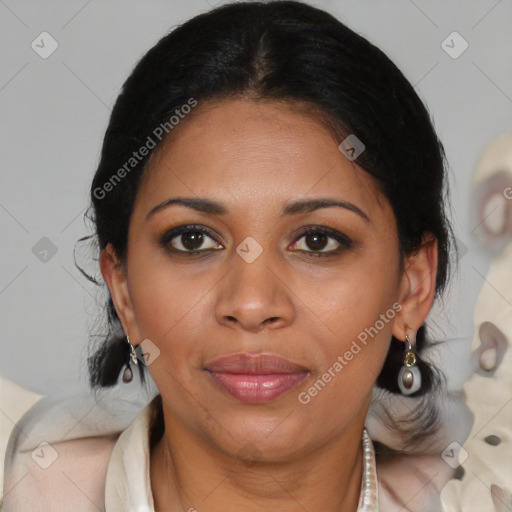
x,y
128,484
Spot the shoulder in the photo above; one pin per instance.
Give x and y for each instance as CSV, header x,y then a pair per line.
x,y
15,400
412,483
58,453
59,476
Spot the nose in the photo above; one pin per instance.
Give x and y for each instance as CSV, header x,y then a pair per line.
x,y
253,296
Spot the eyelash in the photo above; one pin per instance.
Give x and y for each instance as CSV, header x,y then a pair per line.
x,y
344,241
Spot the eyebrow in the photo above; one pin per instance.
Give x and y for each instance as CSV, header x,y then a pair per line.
x,y
293,208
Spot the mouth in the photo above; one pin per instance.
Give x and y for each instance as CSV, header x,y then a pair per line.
x,y
255,378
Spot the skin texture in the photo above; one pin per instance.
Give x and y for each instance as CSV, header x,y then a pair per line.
x,y
255,157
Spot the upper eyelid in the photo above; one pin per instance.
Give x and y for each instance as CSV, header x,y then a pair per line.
x,y
299,231
316,227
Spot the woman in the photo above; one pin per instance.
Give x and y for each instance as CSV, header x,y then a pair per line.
x,y
269,207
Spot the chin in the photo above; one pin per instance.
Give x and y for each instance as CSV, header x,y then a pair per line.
x,y
256,437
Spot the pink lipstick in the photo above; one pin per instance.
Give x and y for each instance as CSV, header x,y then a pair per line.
x,y
255,378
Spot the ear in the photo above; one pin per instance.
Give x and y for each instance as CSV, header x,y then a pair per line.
x,y
114,274
417,287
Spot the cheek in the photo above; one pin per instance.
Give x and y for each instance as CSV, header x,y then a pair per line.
x,y
155,306
172,308
362,292
167,308
165,315
164,297
359,308
352,355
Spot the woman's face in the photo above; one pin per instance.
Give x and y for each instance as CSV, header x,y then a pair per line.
x,y
253,281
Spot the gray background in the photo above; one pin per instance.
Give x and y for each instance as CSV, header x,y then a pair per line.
x,y
54,112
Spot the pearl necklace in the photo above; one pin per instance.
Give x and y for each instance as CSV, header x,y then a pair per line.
x,y
368,498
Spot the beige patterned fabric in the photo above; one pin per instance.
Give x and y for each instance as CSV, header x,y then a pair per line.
x,y
15,400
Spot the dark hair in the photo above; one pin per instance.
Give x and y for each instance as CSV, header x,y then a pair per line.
x,y
283,51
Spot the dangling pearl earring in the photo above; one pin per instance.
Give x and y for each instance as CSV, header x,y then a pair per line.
x,y
409,377
128,374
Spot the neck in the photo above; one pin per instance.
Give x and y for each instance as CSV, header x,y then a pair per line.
x,y
188,473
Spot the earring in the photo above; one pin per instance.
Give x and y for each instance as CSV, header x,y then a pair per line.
x,y
409,377
128,374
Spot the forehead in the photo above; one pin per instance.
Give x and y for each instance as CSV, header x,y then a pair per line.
x,y
252,152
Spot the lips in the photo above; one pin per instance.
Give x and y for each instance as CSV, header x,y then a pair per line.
x,y
255,378
252,364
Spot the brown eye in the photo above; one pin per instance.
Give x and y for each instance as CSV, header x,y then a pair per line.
x,y
322,241
189,239
316,241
